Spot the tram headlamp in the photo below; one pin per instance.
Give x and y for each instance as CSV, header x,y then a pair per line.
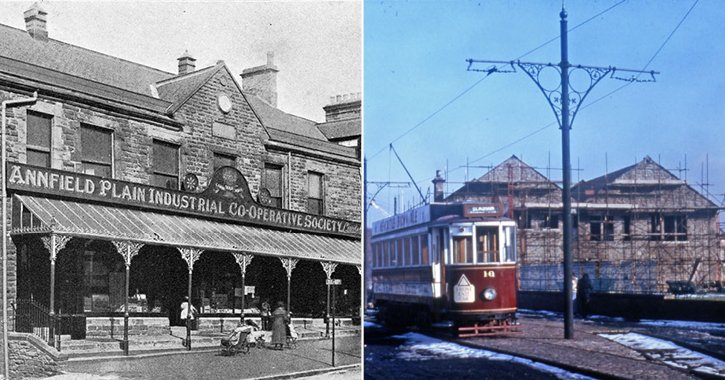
x,y
489,294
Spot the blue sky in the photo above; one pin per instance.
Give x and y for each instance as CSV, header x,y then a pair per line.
x,y
415,65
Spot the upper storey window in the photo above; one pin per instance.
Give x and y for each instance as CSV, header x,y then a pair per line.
x,y
96,150
273,183
221,159
315,204
165,165
38,140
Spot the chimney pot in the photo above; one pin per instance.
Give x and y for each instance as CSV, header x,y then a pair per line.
x,y
262,81
438,190
36,20
187,63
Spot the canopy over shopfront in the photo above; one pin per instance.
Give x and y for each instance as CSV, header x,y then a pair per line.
x,y
71,218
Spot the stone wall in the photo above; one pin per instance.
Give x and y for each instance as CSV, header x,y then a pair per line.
x,y
112,327
30,357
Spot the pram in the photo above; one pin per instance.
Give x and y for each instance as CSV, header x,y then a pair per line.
x,y
238,340
291,336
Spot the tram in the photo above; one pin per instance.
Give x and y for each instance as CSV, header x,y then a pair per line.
x,y
448,264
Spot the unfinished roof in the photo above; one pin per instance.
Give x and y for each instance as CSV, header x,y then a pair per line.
x,y
521,172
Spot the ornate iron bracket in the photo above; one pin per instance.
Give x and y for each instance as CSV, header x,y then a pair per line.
x,y
54,243
359,270
127,249
190,255
329,268
289,265
243,260
554,96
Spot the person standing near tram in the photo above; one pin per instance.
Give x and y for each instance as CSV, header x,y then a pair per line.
x,y
279,325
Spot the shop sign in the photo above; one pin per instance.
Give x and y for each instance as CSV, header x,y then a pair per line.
x,y
409,218
227,197
334,281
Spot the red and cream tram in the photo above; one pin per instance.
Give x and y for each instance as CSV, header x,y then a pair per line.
x,y
447,262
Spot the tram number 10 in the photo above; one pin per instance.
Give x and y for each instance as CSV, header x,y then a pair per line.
x,y
489,274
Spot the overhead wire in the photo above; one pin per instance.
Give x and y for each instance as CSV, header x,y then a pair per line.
x,y
591,103
411,129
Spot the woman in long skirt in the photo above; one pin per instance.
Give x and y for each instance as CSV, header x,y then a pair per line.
x,y
279,326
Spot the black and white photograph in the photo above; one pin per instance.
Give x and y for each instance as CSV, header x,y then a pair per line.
x,y
182,186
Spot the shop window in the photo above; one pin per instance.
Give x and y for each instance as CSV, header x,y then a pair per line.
x,y
487,244
38,140
424,249
273,182
415,249
165,165
221,159
669,227
601,228
315,204
97,151
462,250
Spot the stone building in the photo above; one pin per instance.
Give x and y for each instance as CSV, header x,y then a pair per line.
x,y
639,229
131,188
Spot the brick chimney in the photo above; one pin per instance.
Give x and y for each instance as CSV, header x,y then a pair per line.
x,y
262,81
341,107
187,63
35,22
438,190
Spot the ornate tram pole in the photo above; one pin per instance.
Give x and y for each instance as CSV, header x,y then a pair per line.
x,y
190,255
128,250
560,100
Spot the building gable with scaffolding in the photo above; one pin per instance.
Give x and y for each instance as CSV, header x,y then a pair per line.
x,y
640,229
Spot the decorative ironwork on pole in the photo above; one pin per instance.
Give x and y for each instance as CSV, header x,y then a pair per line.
x,y
127,249
565,101
54,243
190,255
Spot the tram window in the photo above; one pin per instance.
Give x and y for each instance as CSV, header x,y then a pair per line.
x,y
386,254
424,249
487,244
399,251
416,249
510,246
406,251
462,250
376,255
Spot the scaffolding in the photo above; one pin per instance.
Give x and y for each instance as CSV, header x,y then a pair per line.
x,y
640,229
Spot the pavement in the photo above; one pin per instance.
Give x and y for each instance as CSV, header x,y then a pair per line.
x,y
311,358
587,353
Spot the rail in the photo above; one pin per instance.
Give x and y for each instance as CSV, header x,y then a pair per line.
x,y
34,318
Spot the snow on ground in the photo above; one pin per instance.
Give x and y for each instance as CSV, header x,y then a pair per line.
x,y
705,326
368,324
421,347
668,352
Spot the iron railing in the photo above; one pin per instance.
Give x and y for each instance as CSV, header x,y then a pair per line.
x,y
34,318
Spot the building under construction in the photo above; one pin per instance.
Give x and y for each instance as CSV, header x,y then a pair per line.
x,y
640,229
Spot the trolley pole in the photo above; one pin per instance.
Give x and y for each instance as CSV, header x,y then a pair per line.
x,y
560,99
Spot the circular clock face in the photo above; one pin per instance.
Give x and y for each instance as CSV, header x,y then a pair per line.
x,y
225,104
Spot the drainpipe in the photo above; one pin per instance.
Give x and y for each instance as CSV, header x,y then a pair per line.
x,y
6,104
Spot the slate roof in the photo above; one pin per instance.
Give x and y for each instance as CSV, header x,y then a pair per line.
x,y
180,88
17,44
341,129
277,119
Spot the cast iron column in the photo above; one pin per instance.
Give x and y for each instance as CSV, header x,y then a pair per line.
x,y
566,190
